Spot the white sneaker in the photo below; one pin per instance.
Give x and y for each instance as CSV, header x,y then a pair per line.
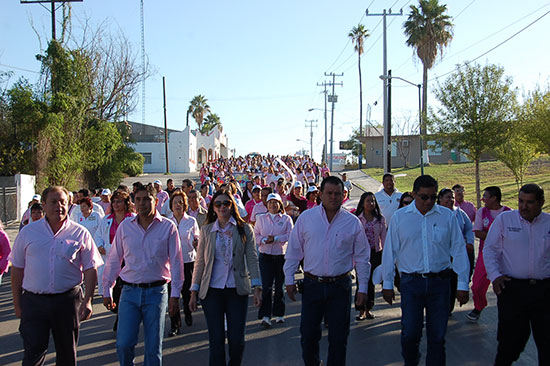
x,y
279,319
266,322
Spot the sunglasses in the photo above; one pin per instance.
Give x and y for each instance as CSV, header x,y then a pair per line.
x,y
405,203
425,197
220,203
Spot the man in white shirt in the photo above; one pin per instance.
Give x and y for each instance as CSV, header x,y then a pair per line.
x,y
388,197
422,238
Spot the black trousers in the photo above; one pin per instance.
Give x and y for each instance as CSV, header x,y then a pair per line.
x,y
522,308
175,320
375,261
42,313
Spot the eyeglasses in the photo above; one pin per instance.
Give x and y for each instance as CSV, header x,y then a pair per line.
x,y
425,197
405,203
220,203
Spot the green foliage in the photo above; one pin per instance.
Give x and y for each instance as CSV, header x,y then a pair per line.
x,y
198,108
210,122
536,119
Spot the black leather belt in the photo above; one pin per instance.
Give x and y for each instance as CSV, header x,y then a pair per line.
x,y
530,281
446,273
326,279
52,295
145,285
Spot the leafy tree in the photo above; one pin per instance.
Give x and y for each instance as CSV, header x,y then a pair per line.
x,y
358,35
536,118
429,30
478,105
210,122
198,108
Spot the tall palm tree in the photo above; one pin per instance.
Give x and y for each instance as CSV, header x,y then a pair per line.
x,y
429,31
198,108
358,35
210,122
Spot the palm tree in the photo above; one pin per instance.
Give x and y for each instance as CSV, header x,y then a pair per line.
x,y
198,108
210,122
358,35
429,30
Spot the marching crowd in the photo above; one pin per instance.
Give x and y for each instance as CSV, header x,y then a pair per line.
x,y
256,225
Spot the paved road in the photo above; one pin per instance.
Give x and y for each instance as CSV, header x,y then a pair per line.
x,y
374,342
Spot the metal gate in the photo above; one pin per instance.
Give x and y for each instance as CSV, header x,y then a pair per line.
x,y
8,204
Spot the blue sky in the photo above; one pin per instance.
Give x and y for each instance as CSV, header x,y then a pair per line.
x,y
258,62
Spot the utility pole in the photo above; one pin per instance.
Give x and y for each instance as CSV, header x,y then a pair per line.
x,y
332,99
387,142
388,132
311,122
53,8
325,84
165,125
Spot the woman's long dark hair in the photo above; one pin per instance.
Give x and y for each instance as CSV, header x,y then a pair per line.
x,y
211,215
361,206
403,196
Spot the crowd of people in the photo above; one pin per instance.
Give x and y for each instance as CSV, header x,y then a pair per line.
x,y
257,225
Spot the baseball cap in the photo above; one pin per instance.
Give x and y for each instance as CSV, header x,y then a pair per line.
x,y
274,196
312,189
297,184
36,197
256,187
157,182
106,192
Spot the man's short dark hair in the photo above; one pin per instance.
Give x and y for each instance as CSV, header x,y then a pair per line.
x,y
494,191
149,189
532,188
84,192
457,186
137,184
387,175
36,206
169,180
424,181
123,187
188,183
267,189
332,179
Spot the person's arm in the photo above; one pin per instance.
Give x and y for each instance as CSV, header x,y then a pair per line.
x,y
389,255
17,288
287,229
467,232
361,258
492,253
5,250
90,281
383,231
481,234
252,265
294,254
461,263
112,268
258,228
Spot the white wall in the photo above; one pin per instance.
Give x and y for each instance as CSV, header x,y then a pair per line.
x,y
25,190
158,159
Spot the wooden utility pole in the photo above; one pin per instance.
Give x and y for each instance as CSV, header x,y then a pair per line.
x,y
53,9
165,125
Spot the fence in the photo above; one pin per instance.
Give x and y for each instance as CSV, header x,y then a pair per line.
x,y
8,204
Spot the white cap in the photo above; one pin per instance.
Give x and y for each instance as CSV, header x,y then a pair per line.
x,y
256,187
312,189
106,192
207,178
274,196
157,182
297,184
36,197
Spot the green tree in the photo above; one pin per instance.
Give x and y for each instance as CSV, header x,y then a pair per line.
x,y
210,122
477,107
536,118
429,30
198,108
358,36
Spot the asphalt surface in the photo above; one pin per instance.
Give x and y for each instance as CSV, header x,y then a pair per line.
x,y
371,342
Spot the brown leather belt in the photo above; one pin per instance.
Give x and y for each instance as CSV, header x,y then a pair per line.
x,y
325,279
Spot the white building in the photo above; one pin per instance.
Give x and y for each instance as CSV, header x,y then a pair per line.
x,y
187,149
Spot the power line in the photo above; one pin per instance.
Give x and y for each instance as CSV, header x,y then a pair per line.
x,y
20,68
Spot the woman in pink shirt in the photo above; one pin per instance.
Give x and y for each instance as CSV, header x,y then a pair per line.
x,y
272,231
311,196
4,251
374,223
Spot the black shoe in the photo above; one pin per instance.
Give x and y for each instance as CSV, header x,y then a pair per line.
x,y
189,320
173,332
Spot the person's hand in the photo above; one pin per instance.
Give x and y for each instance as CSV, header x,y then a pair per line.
x,y
470,248
499,284
17,309
173,306
257,297
109,303
361,299
462,296
85,311
102,250
193,301
291,291
388,295
195,243
270,239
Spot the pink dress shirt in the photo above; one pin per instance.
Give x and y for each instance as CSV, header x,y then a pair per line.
x,y
379,229
259,209
467,207
54,263
280,226
517,248
5,251
222,269
249,206
150,255
162,197
328,249
188,230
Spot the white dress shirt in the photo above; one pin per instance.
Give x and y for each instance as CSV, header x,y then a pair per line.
x,y
424,244
388,204
188,230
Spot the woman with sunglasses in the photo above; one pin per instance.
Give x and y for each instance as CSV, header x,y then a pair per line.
x,y
446,198
406,199
225,255
374,224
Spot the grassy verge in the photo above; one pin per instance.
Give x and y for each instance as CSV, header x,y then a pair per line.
x,y
492,173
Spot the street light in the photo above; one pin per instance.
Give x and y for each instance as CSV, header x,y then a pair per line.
x,y
305,142
419,86
324,110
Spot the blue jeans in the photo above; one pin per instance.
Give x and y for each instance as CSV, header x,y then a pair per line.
x,y
137,305
271,269
417,294
332,301
215,305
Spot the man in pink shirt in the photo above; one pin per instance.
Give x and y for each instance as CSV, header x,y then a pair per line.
x,y
50,258
517,253
461,203
484,218
150,246
162,196
330,241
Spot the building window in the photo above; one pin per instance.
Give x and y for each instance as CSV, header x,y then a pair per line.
x,y
147,157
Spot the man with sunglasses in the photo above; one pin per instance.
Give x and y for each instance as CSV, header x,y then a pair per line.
x,y
422,238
